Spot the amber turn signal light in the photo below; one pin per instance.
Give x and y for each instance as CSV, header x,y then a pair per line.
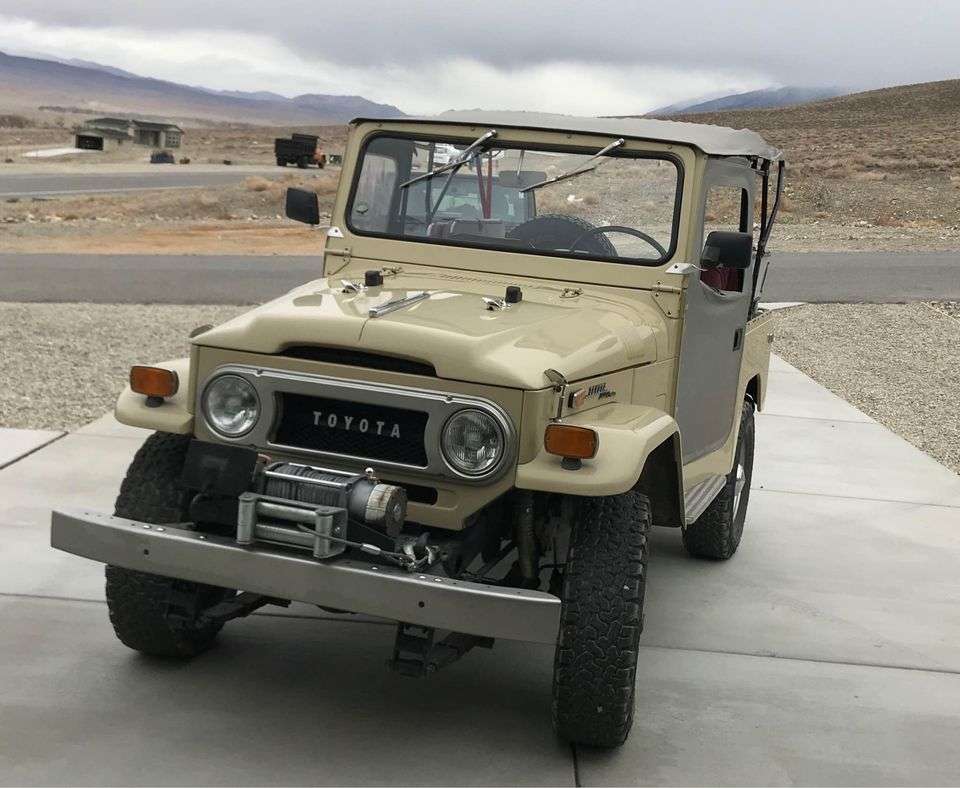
x,y
567,440
154,382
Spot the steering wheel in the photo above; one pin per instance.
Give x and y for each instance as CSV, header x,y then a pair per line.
x,y
619,228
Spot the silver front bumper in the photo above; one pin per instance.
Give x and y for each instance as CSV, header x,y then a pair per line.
x,y
358,586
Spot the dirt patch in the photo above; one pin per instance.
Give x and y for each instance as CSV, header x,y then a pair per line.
x,y
899,363
243,218
63,365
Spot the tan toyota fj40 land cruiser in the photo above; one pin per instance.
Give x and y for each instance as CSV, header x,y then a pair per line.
x,y
534,338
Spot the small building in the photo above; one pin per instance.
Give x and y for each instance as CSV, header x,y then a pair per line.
x,y
108,133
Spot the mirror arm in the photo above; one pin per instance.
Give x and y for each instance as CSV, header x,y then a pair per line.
x,y
766,226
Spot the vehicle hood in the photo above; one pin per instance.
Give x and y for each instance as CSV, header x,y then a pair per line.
x,y
579,335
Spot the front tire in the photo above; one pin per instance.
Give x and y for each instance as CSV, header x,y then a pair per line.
x,y
601,620
716,533
154,614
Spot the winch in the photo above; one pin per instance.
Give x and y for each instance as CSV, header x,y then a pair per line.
x,y
311,507
365,498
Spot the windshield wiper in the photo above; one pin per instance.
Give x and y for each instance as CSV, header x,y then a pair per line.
x,y
462,159
579,169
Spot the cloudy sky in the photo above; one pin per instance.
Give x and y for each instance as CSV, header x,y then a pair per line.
x,y
564,56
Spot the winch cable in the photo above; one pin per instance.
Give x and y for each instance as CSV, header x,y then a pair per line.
x,y
400,559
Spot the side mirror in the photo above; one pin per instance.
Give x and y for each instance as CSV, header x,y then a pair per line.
x,y
302,206
727,249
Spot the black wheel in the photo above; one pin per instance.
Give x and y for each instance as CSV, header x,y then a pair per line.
x,y
601,620
281,162
151,613
302,162
553,231
716,533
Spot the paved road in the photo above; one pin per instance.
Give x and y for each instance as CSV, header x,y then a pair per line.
x,y
48,184
826,652
872,277
841,277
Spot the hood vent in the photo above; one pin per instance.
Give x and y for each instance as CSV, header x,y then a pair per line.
x,y
359,358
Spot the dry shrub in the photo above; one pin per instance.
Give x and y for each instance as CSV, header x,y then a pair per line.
x,y
209,205
14,122
888,220
871,175
258,184
786,204
326,184
820,196
555,202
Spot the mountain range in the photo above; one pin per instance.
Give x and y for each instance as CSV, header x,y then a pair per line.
x,y
83,87
754,99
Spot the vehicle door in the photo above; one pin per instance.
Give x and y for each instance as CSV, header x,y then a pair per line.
x,y
715,318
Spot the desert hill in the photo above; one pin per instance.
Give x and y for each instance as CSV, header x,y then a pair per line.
x,y
889,156
754,99
28,83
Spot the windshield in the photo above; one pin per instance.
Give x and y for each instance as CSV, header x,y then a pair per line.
x,y
619,206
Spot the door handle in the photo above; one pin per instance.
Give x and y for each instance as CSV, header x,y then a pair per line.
x,y
737,338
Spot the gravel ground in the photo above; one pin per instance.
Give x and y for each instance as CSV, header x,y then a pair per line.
x,y
899,363
64,364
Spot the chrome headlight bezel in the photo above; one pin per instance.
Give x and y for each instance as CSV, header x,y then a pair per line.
x,y
498,427
208,416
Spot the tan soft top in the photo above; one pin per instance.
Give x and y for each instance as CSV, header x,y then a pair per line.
x,y
712,140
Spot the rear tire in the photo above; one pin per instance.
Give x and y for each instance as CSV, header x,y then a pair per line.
x,y
601,619
716,533
151,613
302,163
281,162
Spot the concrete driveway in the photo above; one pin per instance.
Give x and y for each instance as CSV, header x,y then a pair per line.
x,y
826,652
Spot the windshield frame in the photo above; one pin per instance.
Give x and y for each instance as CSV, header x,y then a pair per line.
x,y
506,143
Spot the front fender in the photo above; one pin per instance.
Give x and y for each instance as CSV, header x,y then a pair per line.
x,y
628,435
172,416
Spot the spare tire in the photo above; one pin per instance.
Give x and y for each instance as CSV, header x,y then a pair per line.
x,y
556,231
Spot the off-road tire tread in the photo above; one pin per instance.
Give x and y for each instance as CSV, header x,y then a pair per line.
x,y
601,620
713,534
138,601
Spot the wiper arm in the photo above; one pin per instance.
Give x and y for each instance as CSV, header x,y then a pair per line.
x,y
462,159
579,169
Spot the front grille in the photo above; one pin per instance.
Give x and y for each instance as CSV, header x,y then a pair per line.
x,y
356,429
360,358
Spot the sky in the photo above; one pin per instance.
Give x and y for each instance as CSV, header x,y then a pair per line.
x,y
618,57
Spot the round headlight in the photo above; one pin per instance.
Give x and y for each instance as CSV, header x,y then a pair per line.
x,y
472,442
231,405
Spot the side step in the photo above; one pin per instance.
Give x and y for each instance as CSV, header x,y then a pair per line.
x,y
416,654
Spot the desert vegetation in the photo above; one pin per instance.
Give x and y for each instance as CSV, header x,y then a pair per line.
x,y
890,158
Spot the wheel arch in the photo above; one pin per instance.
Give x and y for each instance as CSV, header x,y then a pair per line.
x,y
755,389
662,482
637,445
